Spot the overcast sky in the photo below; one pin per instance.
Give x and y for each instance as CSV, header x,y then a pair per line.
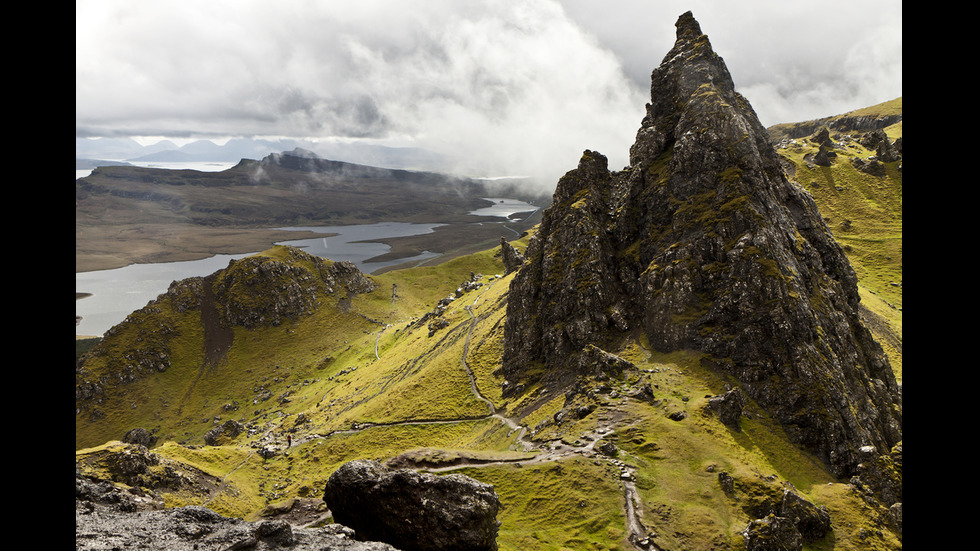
x,y
529,82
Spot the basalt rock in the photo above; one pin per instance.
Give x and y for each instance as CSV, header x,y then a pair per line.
x,y
264,291
223,432
728,406
793,523
881,474
108,517
414,511
703,243
511,257
813,522
772,533
140,436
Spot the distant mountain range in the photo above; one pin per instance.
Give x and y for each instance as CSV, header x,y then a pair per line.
x,y
107,151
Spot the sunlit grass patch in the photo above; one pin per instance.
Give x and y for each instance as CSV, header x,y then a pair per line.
x,y
572,504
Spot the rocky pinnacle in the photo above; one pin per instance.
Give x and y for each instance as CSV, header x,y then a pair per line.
x,y
703,243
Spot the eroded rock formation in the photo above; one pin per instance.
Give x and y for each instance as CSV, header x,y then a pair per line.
x,y
703,243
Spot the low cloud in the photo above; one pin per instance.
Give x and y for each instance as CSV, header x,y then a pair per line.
x,y
510,87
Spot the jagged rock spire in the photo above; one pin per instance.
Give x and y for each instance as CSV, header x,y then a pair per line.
x,y
702,243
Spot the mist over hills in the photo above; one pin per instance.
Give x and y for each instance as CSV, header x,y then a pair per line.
x,y
233,150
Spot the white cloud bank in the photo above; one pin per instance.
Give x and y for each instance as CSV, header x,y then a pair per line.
x,y
519,85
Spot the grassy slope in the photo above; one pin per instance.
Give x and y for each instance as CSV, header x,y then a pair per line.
x,y
576,503
864,212
327,367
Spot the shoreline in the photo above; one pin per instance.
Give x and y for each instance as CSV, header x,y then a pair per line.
x,y
120,246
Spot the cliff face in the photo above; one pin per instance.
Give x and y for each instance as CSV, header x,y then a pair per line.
x,y
703,243
862,123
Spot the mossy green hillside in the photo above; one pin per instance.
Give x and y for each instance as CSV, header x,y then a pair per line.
x,y
863,211
366,381
678,462
864,214
288,366
567,505
264,369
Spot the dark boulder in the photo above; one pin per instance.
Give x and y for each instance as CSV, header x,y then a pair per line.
x,y
139,436
728,406
219,434
812,522
414,511
772,534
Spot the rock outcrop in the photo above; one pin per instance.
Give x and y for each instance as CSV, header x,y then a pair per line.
x,y
843,124
263,291
255,291
107,517
703,243
139,436
772,533
782,518
414,511
511,257
227,430
728,406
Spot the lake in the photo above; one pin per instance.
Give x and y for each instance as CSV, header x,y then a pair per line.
x,y
348,245
117,293
504,207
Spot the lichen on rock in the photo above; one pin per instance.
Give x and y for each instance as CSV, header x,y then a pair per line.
x,y
414,511
703,243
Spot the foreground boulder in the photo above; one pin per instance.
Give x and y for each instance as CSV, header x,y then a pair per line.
x,y
110,517
414,511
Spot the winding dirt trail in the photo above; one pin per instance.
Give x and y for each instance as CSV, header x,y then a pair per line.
x,y
514,426
638,535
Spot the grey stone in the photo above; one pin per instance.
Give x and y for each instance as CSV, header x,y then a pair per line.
x,y
414,511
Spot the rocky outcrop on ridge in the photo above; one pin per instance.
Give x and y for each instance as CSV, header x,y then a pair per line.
x,y
414,511
703,243
263,291
255,291
845,123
